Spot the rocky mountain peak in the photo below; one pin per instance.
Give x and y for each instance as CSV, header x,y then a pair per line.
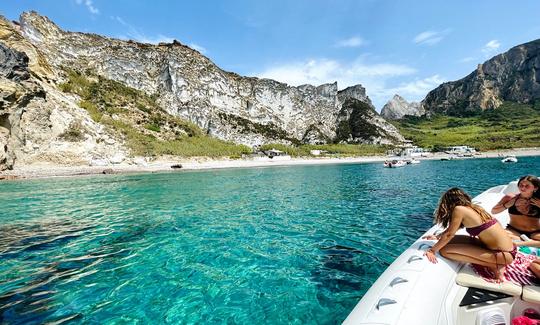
x,y
37,28
397,107
510,76
357,92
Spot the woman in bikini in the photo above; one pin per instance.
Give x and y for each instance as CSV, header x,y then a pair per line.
x,y
488,243
523,208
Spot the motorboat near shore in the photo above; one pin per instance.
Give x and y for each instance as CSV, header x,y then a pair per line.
x,y
394,163
414,291
509,159
412,161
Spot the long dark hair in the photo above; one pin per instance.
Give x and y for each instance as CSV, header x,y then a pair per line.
x,y
535,181
451,199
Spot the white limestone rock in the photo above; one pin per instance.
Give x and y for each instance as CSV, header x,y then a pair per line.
x,y
190,86
398,107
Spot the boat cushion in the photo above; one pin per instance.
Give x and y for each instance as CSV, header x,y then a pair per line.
x,y
468,278
531,294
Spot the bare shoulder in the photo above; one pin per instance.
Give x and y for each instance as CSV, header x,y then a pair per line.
x,y
465,211
508,197
461,209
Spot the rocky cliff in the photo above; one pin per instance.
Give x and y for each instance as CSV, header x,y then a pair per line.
x,y
40,124
183,82
397,107
510,76
358,122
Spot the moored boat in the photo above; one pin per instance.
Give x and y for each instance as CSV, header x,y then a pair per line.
x,y
509,159
412,161
394,163
414,291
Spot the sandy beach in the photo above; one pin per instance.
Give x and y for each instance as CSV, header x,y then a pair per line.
x,y
46,170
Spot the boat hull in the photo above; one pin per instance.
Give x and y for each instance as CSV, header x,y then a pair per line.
x,y
414,291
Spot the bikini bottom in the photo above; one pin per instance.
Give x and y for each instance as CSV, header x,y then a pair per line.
x,y
526,233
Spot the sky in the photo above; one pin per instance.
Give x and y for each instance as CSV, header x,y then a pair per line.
x,y
389,47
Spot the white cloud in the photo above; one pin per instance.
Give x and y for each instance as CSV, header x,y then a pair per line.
x,y
120,20
373,76
413,91
416,89
135,34
351,42
430,37
319,71
89,5
199,48
491,47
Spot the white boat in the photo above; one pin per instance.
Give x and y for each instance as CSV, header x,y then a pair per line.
x,y
412,161
414,291
394,163
452,157
509,159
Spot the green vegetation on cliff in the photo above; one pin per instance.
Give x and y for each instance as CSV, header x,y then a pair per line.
x,y
269,130
147,129
336,150
511,125
356,126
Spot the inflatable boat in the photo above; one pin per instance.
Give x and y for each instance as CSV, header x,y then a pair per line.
x,y
414,291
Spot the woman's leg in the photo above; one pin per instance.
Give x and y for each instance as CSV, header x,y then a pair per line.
x,y
465,239
535,235
472,253
535,267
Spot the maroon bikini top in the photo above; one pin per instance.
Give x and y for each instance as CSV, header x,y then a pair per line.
x,y
475,231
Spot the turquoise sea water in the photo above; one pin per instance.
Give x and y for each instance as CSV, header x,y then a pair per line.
x,y
274,245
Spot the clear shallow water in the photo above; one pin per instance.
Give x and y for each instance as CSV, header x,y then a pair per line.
x,y
267,245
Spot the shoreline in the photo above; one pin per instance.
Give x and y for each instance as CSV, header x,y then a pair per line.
x,y
49,170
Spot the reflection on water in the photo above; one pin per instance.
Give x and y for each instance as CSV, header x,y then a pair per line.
x,y
276,245
31,297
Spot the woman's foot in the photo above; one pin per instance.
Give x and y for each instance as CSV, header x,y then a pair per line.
x,y
499,273
535,267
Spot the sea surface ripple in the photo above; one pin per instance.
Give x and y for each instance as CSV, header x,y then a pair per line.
x,y
280,245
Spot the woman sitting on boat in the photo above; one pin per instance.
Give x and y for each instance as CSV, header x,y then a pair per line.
x,y
488,244
523,208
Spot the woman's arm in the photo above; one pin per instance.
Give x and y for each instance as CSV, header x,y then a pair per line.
x,y
535,201
502,205
530,243
434,236
448,234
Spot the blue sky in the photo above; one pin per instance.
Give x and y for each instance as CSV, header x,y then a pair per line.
x,y
404,47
